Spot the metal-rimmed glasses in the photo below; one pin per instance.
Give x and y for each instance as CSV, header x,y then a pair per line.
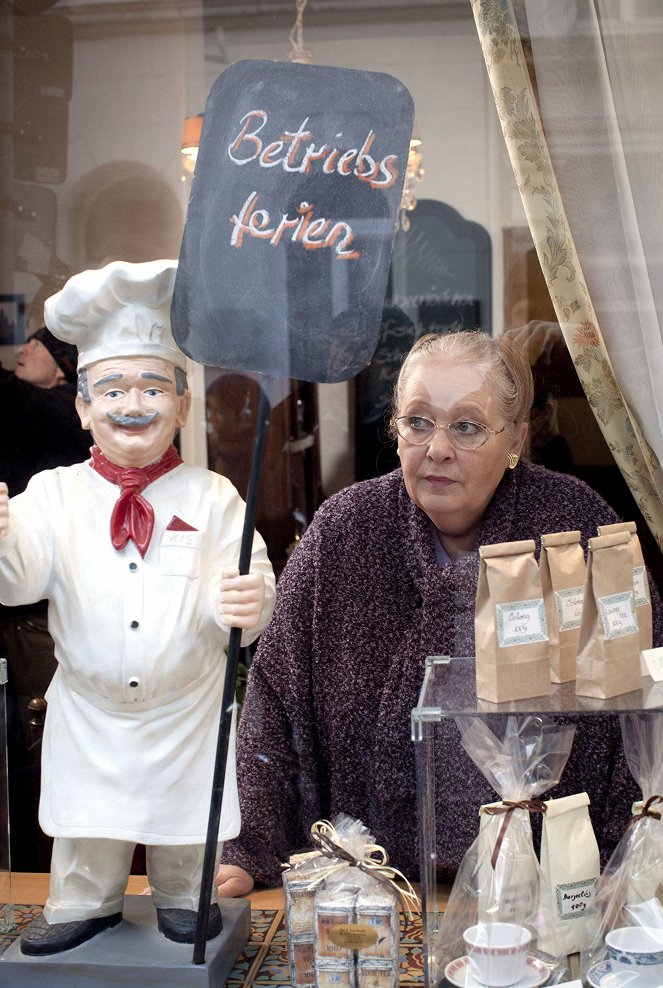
x,y
463,433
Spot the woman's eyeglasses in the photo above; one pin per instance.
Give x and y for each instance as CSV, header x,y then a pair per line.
x,y
462,433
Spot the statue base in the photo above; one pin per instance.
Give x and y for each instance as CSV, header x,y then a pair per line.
x,y
134,954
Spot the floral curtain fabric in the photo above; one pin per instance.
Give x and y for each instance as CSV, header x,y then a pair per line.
x,y
624,402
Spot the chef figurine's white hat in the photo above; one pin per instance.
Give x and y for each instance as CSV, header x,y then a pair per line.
x,y
120,310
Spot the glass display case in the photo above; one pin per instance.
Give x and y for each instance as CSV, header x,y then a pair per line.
x,y
6,899
449,691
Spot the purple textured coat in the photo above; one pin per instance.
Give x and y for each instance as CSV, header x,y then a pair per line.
x,y
326,722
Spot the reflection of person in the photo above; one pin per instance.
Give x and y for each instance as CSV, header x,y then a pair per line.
x,y
139,615
232,402
551,364
385,575
40,430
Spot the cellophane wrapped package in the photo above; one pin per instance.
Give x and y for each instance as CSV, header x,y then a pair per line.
x,y
357,927
628,944
500,898
301,880
342,909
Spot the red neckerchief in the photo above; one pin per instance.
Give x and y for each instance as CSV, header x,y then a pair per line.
x,y
133,516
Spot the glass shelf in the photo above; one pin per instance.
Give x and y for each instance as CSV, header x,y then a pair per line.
x,y
449,691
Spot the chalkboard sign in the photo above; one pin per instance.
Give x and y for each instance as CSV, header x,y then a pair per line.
x,y
287,243
442,271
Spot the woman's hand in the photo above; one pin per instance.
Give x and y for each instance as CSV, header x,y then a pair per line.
x,y
242,599
231,881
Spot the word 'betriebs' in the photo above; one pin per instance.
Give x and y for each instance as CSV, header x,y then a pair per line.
x,y
608,662
297,154
511,630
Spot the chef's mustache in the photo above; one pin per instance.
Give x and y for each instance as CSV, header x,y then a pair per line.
x,y
132,420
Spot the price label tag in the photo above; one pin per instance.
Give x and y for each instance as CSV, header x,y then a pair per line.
x,y
618,614
651,662
522,622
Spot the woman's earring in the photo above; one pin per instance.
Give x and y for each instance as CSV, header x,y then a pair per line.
x,y
512,460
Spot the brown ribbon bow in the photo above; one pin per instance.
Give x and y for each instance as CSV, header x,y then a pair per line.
x,y
375,862
507,807
646,811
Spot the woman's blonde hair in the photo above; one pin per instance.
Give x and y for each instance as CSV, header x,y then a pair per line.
x,y
504,359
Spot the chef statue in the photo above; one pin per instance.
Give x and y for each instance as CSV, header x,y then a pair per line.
x,y
137,554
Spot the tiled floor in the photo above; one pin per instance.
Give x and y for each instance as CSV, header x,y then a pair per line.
x,y
265,958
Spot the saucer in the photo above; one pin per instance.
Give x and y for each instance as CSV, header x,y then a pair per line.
x,y
458,973
602,975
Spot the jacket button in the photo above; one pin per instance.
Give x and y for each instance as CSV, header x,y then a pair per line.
x,y
134,681
133,566
134,624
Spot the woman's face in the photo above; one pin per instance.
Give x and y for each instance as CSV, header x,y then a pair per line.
x,y
453,486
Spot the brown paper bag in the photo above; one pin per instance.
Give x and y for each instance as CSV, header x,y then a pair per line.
x,y
510,627
563,582
608,660
640,581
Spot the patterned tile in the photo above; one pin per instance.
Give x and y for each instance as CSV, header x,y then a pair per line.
x,y
244,964
274,965
262,921
264,961
23,915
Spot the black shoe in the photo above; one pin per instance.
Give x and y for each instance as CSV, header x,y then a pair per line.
x,y
180,924
42,937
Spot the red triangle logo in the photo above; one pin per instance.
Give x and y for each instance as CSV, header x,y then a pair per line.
x,y
177,525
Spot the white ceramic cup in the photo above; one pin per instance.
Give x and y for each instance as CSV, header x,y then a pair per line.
x,y
497,953
640,948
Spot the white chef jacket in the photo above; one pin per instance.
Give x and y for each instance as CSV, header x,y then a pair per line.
x,y
133,709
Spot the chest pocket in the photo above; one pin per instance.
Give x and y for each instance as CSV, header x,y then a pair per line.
x,y
179,554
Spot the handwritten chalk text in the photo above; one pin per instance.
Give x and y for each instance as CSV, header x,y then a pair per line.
x,y
311,233
291,152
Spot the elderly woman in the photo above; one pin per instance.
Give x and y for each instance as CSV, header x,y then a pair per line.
x,y
385,575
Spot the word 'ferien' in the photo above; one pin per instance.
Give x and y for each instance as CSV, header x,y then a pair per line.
x,y
303,229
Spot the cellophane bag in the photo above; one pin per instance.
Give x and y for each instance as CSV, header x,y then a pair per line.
x,y
342,909
630,892
303,876
499,880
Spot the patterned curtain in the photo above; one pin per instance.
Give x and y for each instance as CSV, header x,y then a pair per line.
x,y
531,161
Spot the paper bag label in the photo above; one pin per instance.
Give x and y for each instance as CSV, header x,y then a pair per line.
x,y
640,586
573,899
652,659
522,622
569,608
618,614
353,935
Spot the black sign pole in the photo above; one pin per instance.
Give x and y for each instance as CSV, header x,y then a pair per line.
x,y
229,684
285,257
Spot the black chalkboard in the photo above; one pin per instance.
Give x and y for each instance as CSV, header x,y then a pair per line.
x,y
442,271
287,243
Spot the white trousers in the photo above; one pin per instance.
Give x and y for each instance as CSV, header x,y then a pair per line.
x,y
89,877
